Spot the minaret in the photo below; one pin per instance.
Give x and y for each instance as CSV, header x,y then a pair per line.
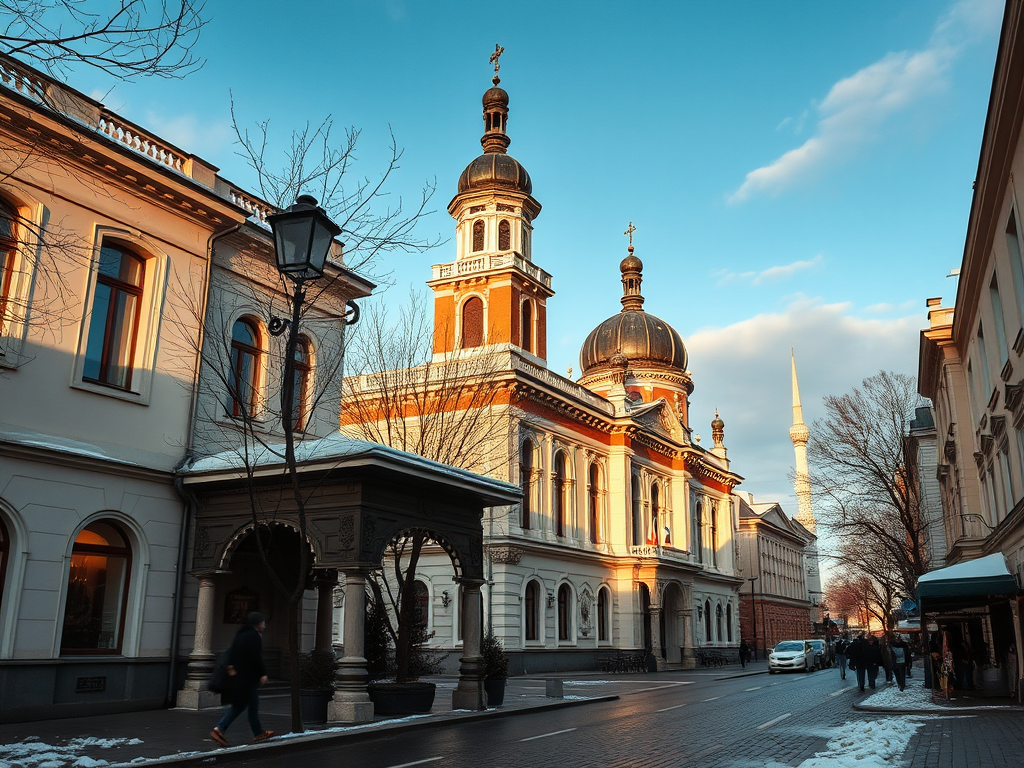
x,y
799,434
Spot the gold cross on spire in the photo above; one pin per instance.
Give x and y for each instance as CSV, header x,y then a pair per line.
x,y
498,50
629,233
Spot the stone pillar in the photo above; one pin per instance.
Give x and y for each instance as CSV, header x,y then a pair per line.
x,y
351,702
202,660
655,611
325,582
689,659
470,692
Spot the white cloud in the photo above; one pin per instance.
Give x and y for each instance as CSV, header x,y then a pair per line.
x,y
189,133
771,274
856,107
743,370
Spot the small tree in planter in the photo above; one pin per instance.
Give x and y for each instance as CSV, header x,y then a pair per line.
x,y
495,669
316,684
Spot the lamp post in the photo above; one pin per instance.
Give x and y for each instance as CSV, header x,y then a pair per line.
x,y
753,611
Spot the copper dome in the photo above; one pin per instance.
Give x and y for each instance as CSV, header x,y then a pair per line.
x,y
640,336
495,169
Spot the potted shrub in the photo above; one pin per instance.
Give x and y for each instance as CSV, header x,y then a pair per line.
x,y
495,669
316,685
392,692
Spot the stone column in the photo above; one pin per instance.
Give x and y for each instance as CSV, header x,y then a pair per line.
x,y
689,659
325,582
655,611
470,692
202,660
351,702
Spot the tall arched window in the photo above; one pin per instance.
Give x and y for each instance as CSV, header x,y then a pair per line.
x,y
97,588
8,250
531,606
713,511
718,623
652,534
595,503
504,236
245,366
637,513
114,324
478,235
707,621
526,336
525,482
558,491
698,531
564,612
472,323
421,604
728,621
300,392
604,613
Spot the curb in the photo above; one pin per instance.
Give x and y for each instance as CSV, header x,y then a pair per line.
x,y
318,740
944,711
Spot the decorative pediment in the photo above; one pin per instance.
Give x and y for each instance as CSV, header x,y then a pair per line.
x,y
658,417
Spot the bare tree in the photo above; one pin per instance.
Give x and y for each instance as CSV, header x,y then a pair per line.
x,y
456,407
859,460
123,38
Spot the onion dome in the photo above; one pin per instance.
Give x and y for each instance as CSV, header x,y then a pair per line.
x,y
646,340
495,168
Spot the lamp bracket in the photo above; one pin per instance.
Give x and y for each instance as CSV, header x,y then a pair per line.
x,y
277,326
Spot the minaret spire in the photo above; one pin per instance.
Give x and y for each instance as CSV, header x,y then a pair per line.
x,y
632,276
800,434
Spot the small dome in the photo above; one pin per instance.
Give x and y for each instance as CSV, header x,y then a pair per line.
x,y
640,336
495,169
717,424
631,262
495,95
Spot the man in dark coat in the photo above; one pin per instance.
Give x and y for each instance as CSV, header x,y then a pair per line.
x,y
744,652
840,648
874,661
246,674
857,655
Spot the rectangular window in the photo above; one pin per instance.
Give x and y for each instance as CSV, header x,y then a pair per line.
x,y
110,346
983,354
974,398
1016,264
997,312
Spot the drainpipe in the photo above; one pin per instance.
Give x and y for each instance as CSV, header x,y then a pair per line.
x,y
187,497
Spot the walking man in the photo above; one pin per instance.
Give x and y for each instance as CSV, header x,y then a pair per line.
x,y
874,661
901,658
744,651
841,657
857,653
246,674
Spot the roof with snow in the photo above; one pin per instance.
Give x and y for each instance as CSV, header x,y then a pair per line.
x,y
983,576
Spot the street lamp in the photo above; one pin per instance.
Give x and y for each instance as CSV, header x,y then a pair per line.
x,y
303,234
753,611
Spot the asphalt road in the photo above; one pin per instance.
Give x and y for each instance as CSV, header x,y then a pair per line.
x,y
661,720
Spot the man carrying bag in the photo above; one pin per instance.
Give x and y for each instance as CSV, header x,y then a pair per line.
x,y
246,673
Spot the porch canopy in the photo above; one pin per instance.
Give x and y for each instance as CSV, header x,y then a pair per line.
x,y
975,582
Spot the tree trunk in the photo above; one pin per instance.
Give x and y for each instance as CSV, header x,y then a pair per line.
x,y
403,648
293,662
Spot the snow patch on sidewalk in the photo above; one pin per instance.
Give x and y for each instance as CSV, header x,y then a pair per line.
x,y
913,697
864,744
33,753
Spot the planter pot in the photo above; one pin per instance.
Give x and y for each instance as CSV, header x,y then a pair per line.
x,y
495,690
313,704
401,698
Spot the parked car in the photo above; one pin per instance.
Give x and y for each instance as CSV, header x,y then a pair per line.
x,y
791,655
821,659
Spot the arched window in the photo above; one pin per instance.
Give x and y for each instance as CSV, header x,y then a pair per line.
x,y
707,621
718,623
530,609
504,236
604,613
525,482
478,235
637,513
300,392
113,329
472,323
421,604
5,548
527,330
558,490
97,590
564,612
714,532
8,250
698,531
245,365
728,621
595,503
652,534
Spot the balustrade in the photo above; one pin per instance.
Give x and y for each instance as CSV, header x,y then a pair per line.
x,y
127,134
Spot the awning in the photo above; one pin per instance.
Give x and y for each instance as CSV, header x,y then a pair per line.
x,y
974,578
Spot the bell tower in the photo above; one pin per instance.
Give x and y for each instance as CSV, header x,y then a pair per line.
x,y
492,293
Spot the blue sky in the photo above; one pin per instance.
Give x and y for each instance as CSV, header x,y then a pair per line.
x,y
799,173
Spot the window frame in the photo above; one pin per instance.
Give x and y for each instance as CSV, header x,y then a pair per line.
x,y
604,613
464,341
95,549
531,618
526,326
9,247
116,286
564,614
303,382
526,456
558,492
237,348
594,503
479,236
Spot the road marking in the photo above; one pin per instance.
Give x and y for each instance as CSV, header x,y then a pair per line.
x,y
666,709
417,762
661,687
542,736
713,698
778,719
843,690
756,688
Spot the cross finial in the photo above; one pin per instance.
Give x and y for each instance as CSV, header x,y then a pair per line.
x,y
498,50
629,233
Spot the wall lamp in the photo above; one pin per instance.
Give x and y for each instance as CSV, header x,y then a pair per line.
x,y
445,598
979,518
551,598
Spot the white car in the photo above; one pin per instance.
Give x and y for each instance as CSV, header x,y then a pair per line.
x,y
791,655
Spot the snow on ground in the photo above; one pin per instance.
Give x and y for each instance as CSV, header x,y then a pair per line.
x,y
588,682
916,697
32,753
865,744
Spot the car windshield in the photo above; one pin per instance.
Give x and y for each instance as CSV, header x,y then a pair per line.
x,y
818,644
789,646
